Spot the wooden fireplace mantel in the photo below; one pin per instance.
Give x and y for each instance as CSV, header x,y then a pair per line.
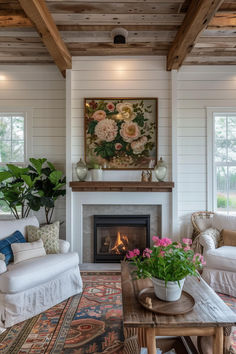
x,y
122,186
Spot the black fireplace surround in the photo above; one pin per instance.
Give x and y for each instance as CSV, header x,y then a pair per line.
x,y
114,235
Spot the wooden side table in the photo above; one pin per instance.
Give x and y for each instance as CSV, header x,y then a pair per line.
x,y
209,316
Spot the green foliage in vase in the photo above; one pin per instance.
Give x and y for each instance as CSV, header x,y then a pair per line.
x,y
17,191
49,184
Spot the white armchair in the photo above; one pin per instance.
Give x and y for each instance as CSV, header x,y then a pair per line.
x,y
34,285
220,269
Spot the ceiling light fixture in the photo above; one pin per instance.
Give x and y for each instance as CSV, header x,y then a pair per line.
x,y
119,35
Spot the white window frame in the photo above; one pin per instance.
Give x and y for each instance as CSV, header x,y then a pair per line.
x,y
28,114
28,138
211,175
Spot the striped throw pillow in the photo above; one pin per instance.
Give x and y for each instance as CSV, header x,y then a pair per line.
x,y
24,251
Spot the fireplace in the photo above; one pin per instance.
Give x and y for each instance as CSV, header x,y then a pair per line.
x,y
114,235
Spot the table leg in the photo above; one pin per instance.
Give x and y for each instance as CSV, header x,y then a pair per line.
x,y
151,340
218,341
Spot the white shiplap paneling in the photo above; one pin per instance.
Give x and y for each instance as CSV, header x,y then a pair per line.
x,y
198,88
42,89
121,77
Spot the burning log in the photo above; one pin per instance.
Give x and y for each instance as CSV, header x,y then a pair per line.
x,y
121,244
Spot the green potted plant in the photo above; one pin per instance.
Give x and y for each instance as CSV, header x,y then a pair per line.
x,y
17,191
49,185
167,263
38,185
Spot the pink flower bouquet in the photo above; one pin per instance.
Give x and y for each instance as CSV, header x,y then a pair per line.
x,y
166,260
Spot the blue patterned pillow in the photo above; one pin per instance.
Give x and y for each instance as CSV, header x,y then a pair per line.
x,y
5,245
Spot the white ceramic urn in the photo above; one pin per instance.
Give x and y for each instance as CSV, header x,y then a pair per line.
x,y
97,174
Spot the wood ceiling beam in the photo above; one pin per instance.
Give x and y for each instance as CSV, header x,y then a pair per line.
x,y
14,18
38,13
198,16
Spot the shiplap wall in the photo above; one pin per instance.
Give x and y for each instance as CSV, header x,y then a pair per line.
x,y
120,77
198,87
42,90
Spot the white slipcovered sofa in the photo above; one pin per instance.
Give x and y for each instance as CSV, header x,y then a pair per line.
x,y
34,285
220,269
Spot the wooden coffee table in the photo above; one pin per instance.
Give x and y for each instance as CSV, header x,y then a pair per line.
x,y
209,316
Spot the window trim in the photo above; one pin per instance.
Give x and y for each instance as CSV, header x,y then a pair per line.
x,y
211,177
28,114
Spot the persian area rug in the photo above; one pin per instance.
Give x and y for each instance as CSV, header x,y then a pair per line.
x,y
231,343
84,324
90,323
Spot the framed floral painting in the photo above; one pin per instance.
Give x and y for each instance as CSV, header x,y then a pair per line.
x,y
121,133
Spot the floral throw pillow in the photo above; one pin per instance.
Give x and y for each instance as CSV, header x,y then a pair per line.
x,y
49,234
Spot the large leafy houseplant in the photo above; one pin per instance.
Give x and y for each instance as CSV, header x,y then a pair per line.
x,y
167,261
49,184
38,185
17,190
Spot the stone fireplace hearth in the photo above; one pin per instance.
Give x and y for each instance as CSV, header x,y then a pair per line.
x,y
89,211
89,203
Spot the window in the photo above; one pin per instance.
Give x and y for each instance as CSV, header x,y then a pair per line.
x,y
15,141
223,162
12,137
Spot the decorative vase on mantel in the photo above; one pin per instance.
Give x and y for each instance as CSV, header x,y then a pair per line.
x,y
97,173
81,170
160,170
170,291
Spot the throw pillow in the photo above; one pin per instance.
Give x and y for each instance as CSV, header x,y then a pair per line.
x,y
228,238
5,245
3,267
24,251
2,257
49,235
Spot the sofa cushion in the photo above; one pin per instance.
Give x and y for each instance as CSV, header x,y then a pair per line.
x,y
228,238
27,250
223,258
5,245
49,234
7,227
36,271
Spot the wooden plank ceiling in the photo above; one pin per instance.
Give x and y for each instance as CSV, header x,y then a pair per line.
x,y
85,27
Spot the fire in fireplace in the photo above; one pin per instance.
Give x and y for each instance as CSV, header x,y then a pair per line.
x,y
114,235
